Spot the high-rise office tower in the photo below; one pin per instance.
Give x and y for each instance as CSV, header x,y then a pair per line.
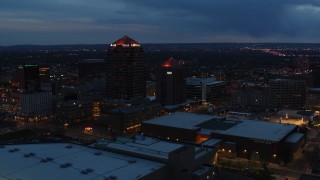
x,y
44,75
126,77
206,90
90,68
287,93
35,103
28,77
171,83
316,75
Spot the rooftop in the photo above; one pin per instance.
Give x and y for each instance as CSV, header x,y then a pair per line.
x,y
211,142
307,113
171,62
208,124
309,177
314,90
216,82
148,146
182,120
125,41
200,81
129,109
253,129
201,170
69,161
295,137
92,61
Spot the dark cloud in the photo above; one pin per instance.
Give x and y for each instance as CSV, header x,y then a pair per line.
x,y
97,21
257,18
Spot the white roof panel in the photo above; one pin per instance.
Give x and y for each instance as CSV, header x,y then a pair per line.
x,y
14,165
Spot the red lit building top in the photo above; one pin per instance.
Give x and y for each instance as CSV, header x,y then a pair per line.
x,y
170,62
125,41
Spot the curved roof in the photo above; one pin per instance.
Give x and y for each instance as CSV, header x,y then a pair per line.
x,y
125,40
170,62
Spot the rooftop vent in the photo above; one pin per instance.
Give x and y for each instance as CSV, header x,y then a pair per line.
x,y
44,160
14,150
69,146
132,161
65,165
29,154
86,171
49,159
97,153
26,155
89,170
113,177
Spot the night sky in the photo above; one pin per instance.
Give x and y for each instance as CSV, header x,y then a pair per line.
x,y
158,21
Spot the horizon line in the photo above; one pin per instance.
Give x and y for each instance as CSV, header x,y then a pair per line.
x,y
73,44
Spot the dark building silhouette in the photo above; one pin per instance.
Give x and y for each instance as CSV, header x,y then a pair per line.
x,y
238,137
44,75
287,93
316,75
171,83
301,64
125,67
90,67
206,90
28,77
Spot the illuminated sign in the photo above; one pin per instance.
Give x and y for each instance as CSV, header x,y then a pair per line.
x,y
169,72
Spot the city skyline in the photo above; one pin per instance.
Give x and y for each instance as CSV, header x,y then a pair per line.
x,y
214,106
74,22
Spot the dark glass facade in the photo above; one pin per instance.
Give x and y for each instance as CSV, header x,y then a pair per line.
x,y
126,77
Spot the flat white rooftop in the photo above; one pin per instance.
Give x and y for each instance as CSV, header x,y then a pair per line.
x,y
255,129
234,127
211,142
181,120
82,163
295,137
147,146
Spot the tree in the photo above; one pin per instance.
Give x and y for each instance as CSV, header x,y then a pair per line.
x,y
286,154
71,96
264,173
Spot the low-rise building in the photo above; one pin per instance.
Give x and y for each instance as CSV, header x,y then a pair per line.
x,y
244,138
35,103
313,99
127,120
207,90
71,161
287,93
184,161
73,111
